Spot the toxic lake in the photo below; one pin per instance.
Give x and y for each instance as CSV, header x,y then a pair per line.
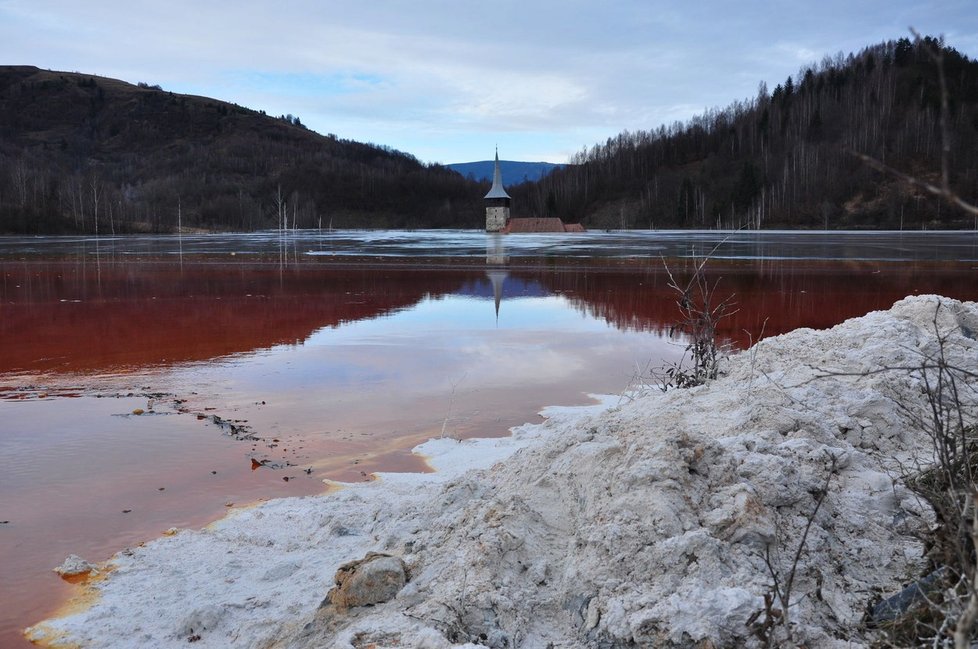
x,y
152,382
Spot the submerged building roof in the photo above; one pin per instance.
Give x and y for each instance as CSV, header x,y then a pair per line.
x,y
497,191
541,225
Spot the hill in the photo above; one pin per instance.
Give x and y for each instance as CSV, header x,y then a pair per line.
x,y
80,153
513,172
784,159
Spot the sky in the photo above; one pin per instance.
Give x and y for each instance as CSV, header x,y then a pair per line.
x,y
449,81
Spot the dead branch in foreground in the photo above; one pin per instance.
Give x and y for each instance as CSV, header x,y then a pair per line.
x,y
944,189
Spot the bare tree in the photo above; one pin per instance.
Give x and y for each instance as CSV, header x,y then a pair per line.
x,y
96,187
280,209
942,190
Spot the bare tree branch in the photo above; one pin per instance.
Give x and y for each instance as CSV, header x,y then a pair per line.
x,y
944,189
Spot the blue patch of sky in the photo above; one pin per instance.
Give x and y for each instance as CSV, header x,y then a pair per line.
x,y
307,84
459,316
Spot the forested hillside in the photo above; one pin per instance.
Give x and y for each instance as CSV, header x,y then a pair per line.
x,y
784,158
83,154
80,153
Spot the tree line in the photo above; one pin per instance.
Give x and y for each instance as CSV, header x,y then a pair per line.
x,y
88,154
784,158
94,155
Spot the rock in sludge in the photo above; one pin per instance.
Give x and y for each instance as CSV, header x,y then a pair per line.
x,y
375,579
74,565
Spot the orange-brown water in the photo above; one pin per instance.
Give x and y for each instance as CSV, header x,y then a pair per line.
x,y
323,370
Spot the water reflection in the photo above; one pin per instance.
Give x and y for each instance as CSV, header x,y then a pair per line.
x,y
62,317
771,297
339,363
80,317
496,250
496,259
336,370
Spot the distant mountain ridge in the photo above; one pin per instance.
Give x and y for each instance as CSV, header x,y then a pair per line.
x,y
514,172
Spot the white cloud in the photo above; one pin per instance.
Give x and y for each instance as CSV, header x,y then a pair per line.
x,y
438,78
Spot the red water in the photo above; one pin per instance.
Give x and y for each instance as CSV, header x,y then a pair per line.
x,y
83,347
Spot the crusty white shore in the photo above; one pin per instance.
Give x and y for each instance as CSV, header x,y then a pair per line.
x,y
632,523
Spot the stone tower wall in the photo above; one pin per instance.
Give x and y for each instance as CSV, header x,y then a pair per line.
x,y
496,218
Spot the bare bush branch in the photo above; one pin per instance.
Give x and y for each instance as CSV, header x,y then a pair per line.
x,y
782,583
948,483
942,192
944,189
700,312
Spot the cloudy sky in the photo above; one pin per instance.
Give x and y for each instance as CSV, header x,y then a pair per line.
x,y
447,81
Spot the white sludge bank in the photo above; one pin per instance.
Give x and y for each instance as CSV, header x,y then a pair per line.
x,y
642,524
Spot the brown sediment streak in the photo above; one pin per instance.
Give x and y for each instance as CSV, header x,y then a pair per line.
x,y
392,455
85,594
389,458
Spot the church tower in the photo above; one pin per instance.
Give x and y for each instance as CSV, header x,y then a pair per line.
x,y
497,202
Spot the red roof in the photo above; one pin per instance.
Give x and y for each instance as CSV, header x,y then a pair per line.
x,y
541,225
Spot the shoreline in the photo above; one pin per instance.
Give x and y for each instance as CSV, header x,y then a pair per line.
x,y
642,522
448,458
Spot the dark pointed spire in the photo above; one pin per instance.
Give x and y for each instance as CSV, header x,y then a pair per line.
x,y
497,190
497,278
